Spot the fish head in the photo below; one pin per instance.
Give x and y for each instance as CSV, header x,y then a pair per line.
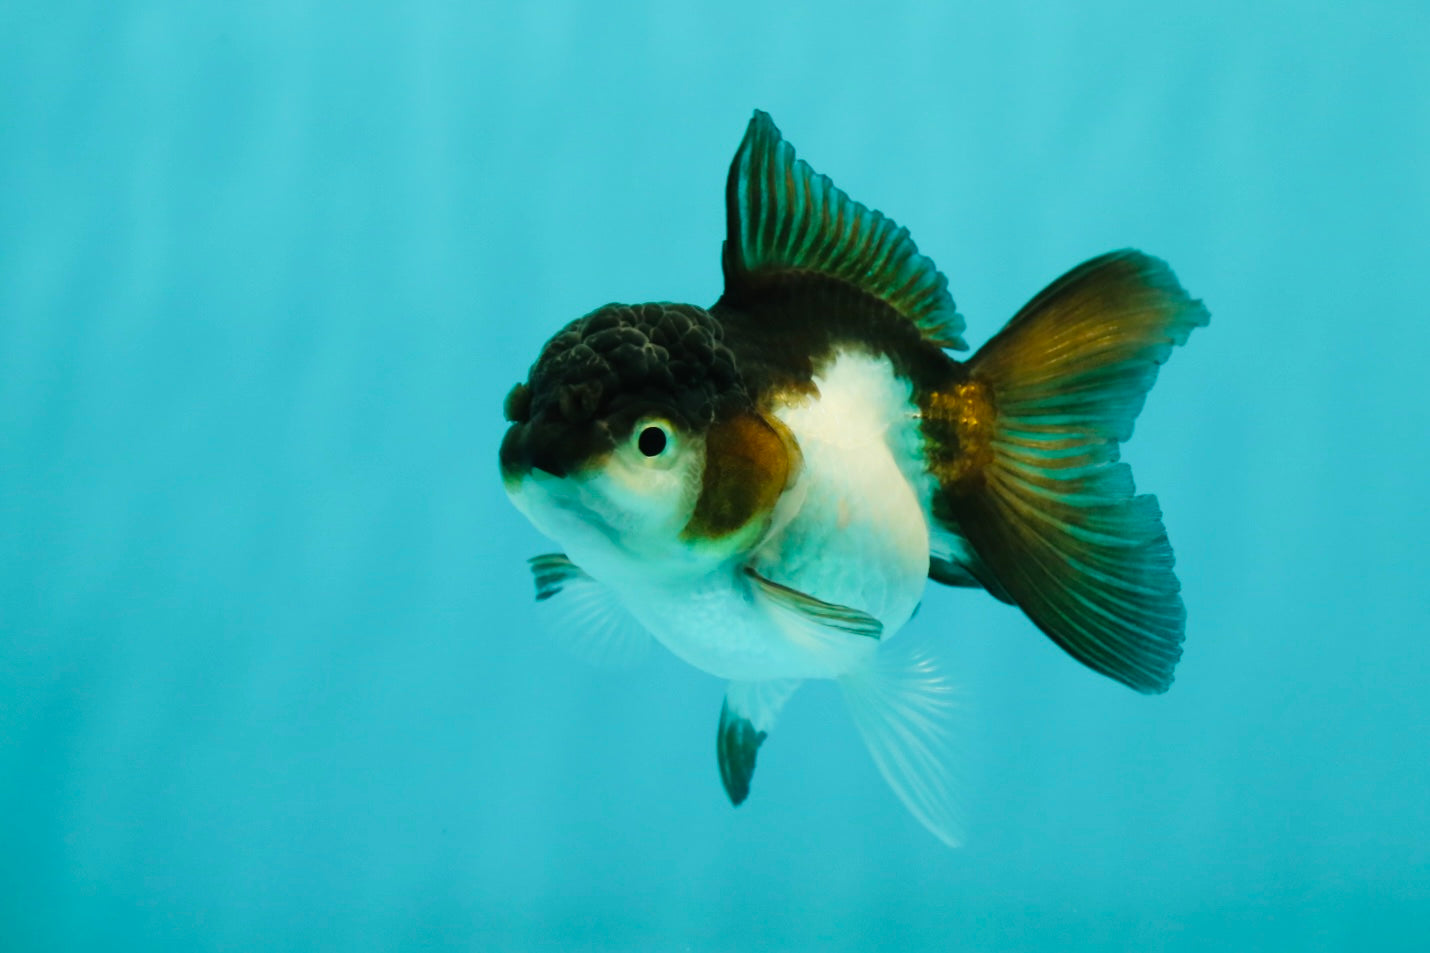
x,y
632,443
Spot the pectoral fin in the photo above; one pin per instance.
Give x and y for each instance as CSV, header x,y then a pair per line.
x,y
815,616
746,717
591,624
552,572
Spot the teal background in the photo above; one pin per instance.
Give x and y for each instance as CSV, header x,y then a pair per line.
x,y
270,672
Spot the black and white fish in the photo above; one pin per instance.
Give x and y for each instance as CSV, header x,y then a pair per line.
x,y
766,484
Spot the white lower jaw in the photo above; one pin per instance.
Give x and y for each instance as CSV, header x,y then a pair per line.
x,y
610,538
555,506
551,506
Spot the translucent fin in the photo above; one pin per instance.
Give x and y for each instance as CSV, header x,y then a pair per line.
x,y
589,620
816,617
1048,508
783,218
746,719
906,711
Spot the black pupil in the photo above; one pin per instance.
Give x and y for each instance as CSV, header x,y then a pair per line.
x,y
651,441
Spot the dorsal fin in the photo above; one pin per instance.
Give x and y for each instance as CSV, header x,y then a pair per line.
x,y
784,218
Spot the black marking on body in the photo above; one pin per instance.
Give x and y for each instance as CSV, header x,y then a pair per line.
x,y
800,323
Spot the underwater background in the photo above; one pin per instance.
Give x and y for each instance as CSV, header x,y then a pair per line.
x,y
271,673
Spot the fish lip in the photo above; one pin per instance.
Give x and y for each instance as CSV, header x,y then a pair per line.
x,y
541,496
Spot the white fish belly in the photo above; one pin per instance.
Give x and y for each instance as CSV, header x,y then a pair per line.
x,y
722,627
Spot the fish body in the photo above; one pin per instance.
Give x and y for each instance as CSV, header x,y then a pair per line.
x,y
767,485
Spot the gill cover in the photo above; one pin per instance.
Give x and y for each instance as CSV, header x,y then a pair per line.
x,y
749,461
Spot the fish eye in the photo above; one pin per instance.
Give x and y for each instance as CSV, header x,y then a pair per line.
x,y
652,441
655,442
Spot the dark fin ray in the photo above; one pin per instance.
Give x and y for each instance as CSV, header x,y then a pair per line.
x,y
746,719
1048,509
817,615
552,572
784,218
736,744
949,573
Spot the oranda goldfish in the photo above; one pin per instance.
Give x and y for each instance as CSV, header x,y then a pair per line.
x,y
766,484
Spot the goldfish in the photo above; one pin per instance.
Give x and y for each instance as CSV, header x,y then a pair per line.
x,y
768,484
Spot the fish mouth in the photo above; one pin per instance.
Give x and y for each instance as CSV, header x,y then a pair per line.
x,y
560,507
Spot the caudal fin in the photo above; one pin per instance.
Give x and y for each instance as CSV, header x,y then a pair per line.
x,y
1038,491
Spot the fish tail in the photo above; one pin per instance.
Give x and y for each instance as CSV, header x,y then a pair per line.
x,y
1029,474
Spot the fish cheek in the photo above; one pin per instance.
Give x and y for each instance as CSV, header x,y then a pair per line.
x,y
747,467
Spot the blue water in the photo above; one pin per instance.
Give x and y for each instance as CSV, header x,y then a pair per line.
x,y
270,672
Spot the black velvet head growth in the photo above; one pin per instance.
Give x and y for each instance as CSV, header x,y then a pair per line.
x,y
620,354
602,372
